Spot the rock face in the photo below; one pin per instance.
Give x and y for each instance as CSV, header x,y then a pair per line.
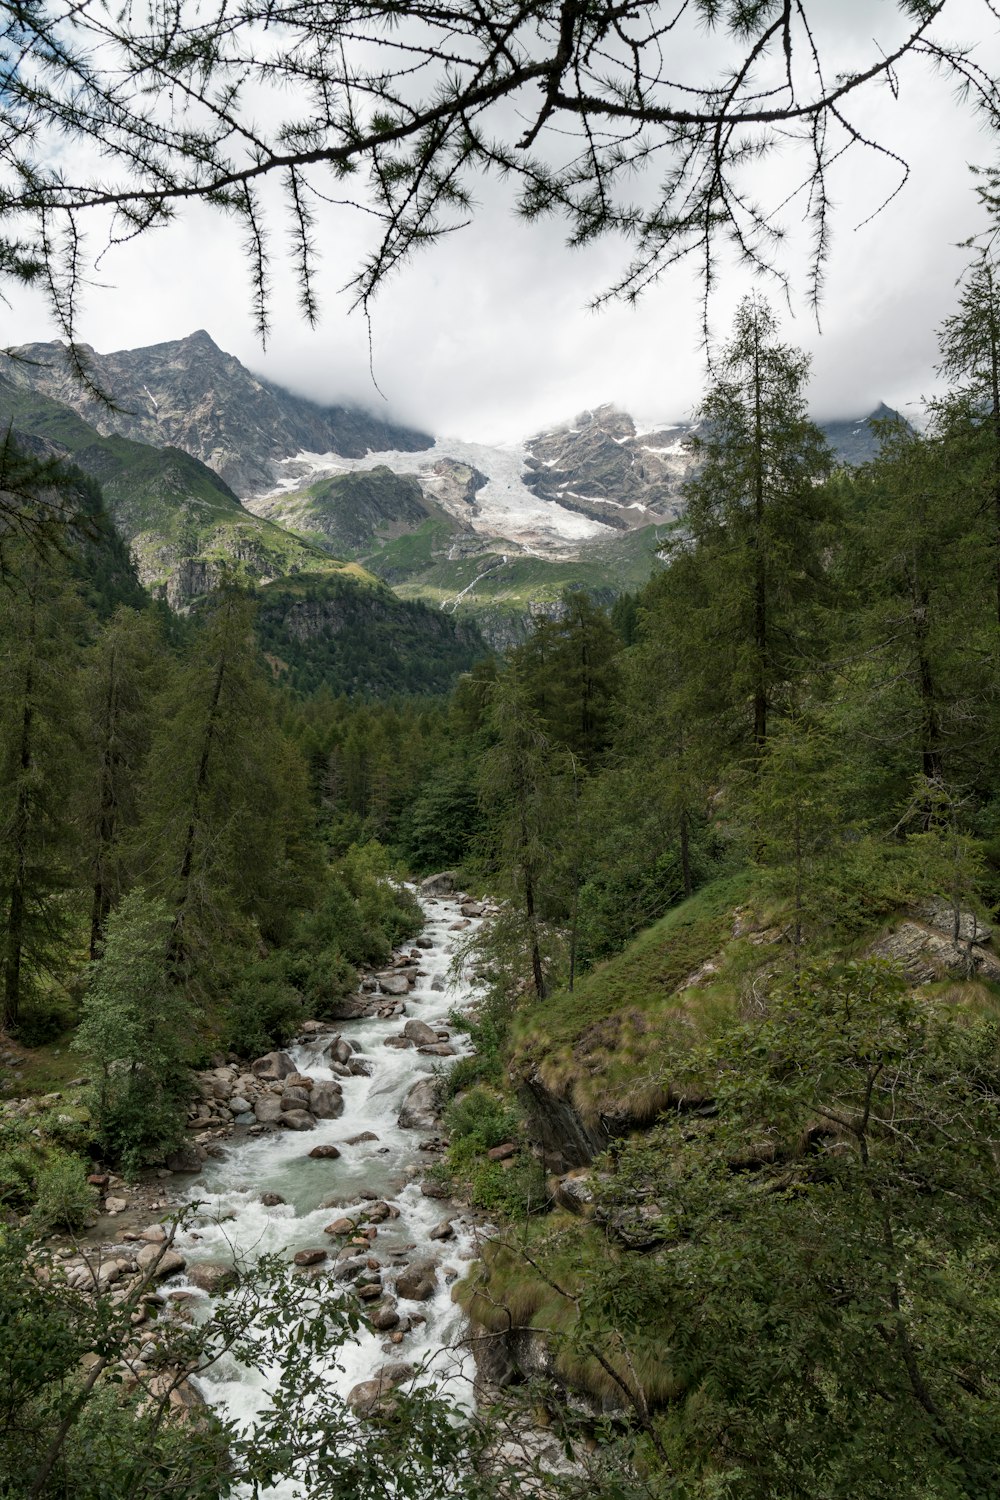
x,y
191,395
926,954
566,1140
419,1110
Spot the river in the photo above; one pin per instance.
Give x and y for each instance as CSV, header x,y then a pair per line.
x,y
233,1223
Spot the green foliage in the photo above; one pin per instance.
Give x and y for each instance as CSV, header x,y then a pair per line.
x,y
63,1198
137,1029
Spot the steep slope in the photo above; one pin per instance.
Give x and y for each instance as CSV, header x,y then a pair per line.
x,y
182,522
189,394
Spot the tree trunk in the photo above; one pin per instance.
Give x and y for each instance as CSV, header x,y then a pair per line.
x,y
760,574
686,853
178,951
107,815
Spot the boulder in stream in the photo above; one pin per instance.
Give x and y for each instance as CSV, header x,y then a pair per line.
x,y
327,1100
419,1110
394,984
309,1257
297,1119
418,1281
441,884
367,1398
325,1153
268,1110
421,1033
273,1066
358,1140
212,1276
295,1099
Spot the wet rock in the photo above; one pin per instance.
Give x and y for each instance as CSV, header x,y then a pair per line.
x,y
378,1212
213,1277
394,984
421,1033
367,1399
384,1318
295,1099
267,1110
437,985
397,1041
369,1291
271,1200
299,1081
309,1257
153,1234
349,1008
325,1153
357,1140
341,1052
419,1110
249,1118
169,1261
438,1049
424,943
434,1190
459,926
351,1267
297,1119
443,1231
327,1101
341,1226
418,1281
359,1068
273,1067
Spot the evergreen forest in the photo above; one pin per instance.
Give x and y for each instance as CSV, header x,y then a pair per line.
x,y
732,1101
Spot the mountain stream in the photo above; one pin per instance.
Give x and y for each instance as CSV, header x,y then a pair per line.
x,y
231,1222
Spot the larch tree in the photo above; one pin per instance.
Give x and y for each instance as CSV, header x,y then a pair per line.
x,y
757,519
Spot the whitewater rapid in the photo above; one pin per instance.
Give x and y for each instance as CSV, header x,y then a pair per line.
x,y
231,1223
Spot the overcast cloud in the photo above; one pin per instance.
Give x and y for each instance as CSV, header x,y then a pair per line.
x,y
488,335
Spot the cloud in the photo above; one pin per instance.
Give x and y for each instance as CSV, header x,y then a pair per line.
x,y
489,336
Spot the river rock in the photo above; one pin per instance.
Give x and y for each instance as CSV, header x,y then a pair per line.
x,y
295,1099
309,1257
438,1049
378,1212
367,1399
325,1153
299,1081
443,1231
421,1033
153,1234
358,1067
437,985
434,1190
419,1110
212,1276
418,1281
357,1140
187,1159
349,1008
327,1101
425,943
471,908
340,1051
297,1119
249,1118
394,984
114,1206
341,1226
240,1106
397,1041
271,1200
384,1318
273,1067
369,1291
268,1109
170,1261
438,885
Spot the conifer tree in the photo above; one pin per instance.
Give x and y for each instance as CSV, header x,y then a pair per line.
x,y
118,695
757,521
41,628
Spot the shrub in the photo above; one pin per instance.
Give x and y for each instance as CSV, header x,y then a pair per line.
x,y
63,1197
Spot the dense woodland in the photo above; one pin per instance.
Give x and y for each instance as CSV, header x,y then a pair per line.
x,y
703,810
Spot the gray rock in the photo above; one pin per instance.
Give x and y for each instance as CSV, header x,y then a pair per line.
x,y
443,1231
419,1110
340,1051
327,1101
297,1119
170,1261
421,1033
273,1066
367,1399
418,1281
394,984
213,1277
309,1257
295,1098
325,1153
357,1140
438,885
384,1317
268,1109
271,1200
249,1118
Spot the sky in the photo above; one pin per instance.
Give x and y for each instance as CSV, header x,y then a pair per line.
x,y
489,335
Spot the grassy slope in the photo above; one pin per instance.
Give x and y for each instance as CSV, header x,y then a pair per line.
x,y
167,503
